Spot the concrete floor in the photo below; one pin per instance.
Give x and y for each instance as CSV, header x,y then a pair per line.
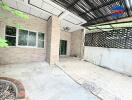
x,y
44,82
107,84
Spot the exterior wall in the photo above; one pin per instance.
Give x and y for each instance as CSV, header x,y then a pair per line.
x,y
77,38
21,55
115,59
53,40
17,54
66,36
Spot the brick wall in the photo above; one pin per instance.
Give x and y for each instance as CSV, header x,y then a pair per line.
x,y
21,54
53,40
77,43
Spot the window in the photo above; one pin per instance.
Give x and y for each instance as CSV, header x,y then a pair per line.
x,y
25,37
41,40
10,35
32,39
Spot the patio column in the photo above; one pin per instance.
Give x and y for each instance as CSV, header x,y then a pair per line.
x,y
53,40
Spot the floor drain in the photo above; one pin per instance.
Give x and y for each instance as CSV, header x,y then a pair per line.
x,y
92,87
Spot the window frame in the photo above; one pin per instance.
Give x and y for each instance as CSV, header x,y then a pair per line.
x,y
28,36
17,37
10,35
40,40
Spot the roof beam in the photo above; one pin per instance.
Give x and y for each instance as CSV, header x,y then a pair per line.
x,y
92,6
97,18
98,7
114,23
71,5
103,5
93,14
100,18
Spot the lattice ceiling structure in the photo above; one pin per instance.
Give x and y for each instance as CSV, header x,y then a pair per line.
x,y
96,12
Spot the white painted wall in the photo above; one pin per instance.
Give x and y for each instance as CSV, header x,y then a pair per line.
x,y
116,59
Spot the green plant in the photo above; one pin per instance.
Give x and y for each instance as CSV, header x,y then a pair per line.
x,y
17,13
5,6
13,11
3,43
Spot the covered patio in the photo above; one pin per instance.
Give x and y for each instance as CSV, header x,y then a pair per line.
x,y
102,82
66,49
44,82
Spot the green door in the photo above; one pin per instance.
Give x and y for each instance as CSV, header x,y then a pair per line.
x,y
63,47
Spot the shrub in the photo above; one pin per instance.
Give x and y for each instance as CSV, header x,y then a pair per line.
x,y
3,43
